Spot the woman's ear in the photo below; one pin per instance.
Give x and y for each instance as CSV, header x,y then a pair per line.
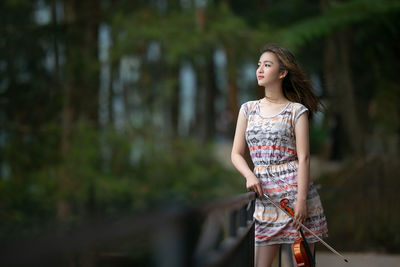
x,y
283,74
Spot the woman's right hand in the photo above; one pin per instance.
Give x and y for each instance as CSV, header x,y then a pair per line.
x,y
253,184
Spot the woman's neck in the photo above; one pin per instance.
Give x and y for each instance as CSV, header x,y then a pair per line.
x,y
274,94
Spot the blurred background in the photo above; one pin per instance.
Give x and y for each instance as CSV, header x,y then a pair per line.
x,y
113,106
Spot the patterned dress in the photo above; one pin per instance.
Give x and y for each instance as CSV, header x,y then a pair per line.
x,y
272,145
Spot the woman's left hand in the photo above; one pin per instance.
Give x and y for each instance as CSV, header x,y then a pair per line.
x,y
300,213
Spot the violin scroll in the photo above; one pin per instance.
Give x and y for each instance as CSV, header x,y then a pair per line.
x,y
284,202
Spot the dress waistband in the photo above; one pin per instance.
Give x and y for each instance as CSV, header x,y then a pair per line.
x,y
274,162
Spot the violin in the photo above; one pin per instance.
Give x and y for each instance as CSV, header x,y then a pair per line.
x,y
304,227
301,250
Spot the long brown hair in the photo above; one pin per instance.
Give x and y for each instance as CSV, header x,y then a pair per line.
x,y
296,86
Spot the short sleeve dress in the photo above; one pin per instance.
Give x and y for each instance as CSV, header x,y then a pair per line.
x,y
272,145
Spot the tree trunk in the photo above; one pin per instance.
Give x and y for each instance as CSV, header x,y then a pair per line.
x,y
175,100
82,64
81,78
199,124
56,72
348,105
232,86
347,138
211,92
67,109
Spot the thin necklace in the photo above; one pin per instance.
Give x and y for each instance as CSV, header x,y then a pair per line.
x,y
265,98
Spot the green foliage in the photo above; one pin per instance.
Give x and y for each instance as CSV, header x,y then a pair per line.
x,y
180,36
338,15
100,175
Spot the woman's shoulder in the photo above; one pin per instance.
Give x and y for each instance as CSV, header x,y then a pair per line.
x,y
297,110
249,103
298,106
248,107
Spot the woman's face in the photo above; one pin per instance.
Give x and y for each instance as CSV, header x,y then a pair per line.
x,y
268,70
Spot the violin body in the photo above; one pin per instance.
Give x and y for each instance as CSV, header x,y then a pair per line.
x,y
301,251
300,254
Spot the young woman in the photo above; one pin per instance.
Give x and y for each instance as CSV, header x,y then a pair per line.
x,y
276,131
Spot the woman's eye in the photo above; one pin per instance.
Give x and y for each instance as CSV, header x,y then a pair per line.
x,y
267,65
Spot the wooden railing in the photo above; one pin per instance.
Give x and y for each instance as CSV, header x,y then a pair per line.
x,y
216,234
237,247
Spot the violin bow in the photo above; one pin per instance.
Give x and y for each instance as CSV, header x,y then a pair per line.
x,y
305,227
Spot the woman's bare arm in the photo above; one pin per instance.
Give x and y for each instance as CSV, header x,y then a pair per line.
x,y
237,156
303,174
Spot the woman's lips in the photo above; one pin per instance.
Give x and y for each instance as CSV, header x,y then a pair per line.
x,y
260,77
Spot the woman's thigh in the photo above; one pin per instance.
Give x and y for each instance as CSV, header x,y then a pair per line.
x,y
264,255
